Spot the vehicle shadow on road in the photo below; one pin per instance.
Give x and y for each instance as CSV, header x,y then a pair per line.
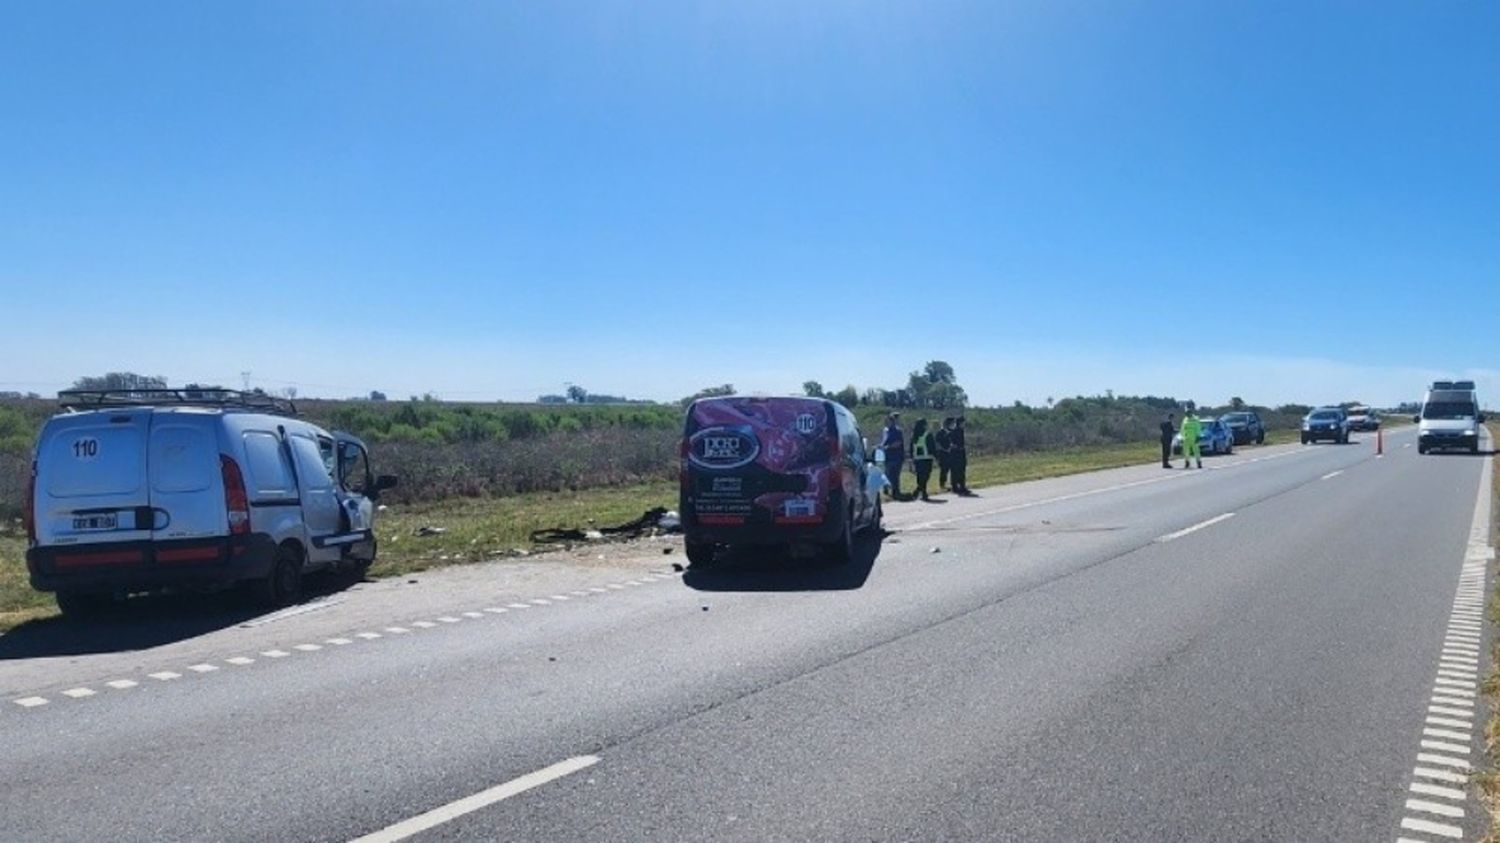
x,y
143,622
761,569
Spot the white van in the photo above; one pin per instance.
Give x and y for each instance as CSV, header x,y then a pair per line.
x,y
151,489
1450,418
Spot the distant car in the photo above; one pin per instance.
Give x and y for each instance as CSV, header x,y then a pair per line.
x,y
1328,423
1362,418
790,472
1245,427
1213,438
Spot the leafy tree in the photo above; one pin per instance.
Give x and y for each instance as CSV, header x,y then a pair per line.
x,y
121,380
710,392
938,371
377,395
848,396
577,394
813,389
1237,403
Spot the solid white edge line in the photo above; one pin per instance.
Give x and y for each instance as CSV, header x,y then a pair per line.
x,y
1195,528
482,799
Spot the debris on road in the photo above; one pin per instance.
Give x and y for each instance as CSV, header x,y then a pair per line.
x,y
654,522
429,531
936,550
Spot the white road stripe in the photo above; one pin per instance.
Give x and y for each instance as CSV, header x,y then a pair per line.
x,y
339,642
1455,683
1452,701
473,614
164,675
423,624
308,648
1447,734
1451,722
1195,528
79,693
203,668
519,606
30,702
1429,827
449,619
1440,775
1444,761
122,684
1436,790
368,636
541,602
1458,674
1456,712
497,610
1443,746
469,804
1332,474
240,661
275,654
397,630
562,598
1439,808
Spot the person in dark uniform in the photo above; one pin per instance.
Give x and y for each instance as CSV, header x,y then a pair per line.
x,y
894,445
960,468
943,439
1168,430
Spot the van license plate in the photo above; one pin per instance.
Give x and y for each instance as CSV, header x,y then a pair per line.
x,y
96,522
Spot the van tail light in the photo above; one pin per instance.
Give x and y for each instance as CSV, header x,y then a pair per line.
x,y
29,513
236,502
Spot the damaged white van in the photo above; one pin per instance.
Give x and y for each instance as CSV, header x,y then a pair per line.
x,y
145,490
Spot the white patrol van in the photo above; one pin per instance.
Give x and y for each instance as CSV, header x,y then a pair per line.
x,y
149,489
1450,418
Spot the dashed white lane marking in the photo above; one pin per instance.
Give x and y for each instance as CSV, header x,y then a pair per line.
x,y
484,798
1332,474
1429,827
1448,727
1201,525
241,661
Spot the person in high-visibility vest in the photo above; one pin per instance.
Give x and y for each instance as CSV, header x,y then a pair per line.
x,y
1191,428
923,452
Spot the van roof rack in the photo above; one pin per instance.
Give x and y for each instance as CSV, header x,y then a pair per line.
x,y
93,399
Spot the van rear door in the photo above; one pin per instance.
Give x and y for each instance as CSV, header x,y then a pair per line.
x,y
92,485
187,480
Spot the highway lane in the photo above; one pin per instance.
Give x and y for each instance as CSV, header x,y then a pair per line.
x,y
1055,672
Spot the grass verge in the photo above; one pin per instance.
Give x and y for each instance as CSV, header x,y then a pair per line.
x,y
1487,780
476,529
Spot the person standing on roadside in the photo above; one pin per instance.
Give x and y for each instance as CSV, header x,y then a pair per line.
x,y
894,445
944,441
960,458
1168,429
1191,428
923,452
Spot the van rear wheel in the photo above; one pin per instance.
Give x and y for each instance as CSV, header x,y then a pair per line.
x,y
841,551
283,585
699,554
80,605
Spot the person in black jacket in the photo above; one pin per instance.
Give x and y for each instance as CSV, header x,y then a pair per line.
x,y
1168,429
960,457
943,439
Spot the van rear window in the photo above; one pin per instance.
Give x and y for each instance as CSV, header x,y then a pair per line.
x,y
102,460
183,459
270,476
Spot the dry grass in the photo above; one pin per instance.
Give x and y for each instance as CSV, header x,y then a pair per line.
x,y
1487,780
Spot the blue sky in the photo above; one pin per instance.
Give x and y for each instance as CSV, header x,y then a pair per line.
x,y
1281,201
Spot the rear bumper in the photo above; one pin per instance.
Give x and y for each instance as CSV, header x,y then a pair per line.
x,y
1322,435
765,533
1440,441
150,566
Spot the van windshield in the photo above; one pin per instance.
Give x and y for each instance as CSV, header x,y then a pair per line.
x,y
1447,410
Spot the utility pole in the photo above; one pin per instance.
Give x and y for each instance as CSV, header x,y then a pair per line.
x,y
245,378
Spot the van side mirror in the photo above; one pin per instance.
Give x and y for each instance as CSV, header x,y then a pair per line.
x,y
1416,419
1479,418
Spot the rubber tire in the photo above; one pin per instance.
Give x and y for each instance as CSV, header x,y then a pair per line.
x,y
841,550
1229,451
1304,440
1474,449
699,554
283,585
1260,438
83,605
879,518
1421,449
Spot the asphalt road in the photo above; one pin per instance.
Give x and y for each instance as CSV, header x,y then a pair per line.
x,y
1242,653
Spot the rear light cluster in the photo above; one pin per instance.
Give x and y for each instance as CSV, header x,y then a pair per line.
x,y
29,514
236,502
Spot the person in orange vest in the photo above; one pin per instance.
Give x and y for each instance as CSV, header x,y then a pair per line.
x,y
1191,429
